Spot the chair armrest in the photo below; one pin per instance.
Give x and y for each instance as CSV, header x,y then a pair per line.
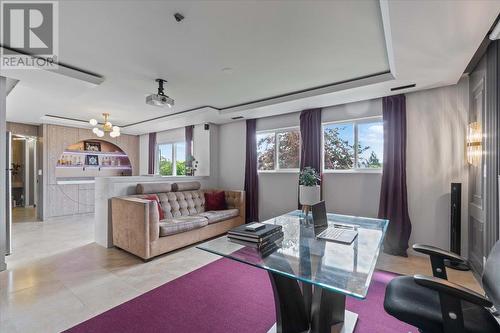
x,y
438,256
452,289
435,251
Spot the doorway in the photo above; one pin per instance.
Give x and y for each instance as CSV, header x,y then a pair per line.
x,y
24,187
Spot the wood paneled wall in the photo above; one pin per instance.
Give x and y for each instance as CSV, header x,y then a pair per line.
x,y
22,129
74,199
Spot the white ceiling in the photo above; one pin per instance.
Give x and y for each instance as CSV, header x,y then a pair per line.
x,y
273,47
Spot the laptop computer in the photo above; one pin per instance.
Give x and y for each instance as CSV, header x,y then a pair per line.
x,y
340,233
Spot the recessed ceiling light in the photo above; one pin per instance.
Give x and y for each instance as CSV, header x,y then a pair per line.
x,y
227,70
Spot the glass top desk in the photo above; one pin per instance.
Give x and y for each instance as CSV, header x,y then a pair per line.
x,y
311,277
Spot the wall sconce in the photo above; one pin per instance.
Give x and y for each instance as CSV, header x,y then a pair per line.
x,y
474,143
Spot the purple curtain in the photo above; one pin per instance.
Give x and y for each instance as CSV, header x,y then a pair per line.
x,y
189,145
251,177
151,153
310,136
393,196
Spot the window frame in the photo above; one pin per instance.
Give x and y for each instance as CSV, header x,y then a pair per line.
x,y
355,123
174,158
276,132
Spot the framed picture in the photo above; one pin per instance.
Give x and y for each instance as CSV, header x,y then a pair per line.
x,y
91,146
92,160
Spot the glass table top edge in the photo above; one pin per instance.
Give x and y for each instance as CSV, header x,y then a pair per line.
x,y
360,292
294,277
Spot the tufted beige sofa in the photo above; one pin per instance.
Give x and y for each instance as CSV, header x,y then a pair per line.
x,y
138,229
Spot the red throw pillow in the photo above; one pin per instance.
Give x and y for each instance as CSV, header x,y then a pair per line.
x,y
215,201
154,197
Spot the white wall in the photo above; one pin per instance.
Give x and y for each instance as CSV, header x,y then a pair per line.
x,y
344,193
202,148
232,150
436,126
352,194
143,154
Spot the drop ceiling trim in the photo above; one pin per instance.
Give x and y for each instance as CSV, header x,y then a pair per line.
x,y
65,69
62,118
313,91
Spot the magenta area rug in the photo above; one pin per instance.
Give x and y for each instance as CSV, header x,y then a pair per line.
x,y
226,296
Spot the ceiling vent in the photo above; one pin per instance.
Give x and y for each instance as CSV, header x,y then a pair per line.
x,y
403,87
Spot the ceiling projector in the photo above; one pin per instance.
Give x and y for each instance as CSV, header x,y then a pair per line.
x,y
160,99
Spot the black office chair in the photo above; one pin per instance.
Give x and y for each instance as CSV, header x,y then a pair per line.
x,y
435,305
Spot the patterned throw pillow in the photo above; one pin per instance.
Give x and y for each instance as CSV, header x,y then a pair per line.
x,y
154,197
215,201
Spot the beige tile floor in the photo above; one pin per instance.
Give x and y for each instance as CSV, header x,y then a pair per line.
x,y
57,277
24,214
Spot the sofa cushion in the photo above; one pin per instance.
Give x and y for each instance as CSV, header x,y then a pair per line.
x,y
214,216
215,201
185,203
146,188
181,224
186,186
154,197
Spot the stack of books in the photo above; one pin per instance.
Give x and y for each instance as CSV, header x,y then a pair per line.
x,y
261,236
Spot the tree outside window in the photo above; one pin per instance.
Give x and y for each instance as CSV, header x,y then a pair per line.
x,y
278,150
289,149
339,146
353,145
265,151
371,138
172,159
346,146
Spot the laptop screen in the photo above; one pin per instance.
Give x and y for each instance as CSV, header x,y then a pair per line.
x,y
319,215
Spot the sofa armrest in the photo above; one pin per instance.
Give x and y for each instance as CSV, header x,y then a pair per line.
x,y
135,224
236,199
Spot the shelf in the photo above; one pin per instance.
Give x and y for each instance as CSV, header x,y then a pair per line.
x,y
88,152
123,167
75,182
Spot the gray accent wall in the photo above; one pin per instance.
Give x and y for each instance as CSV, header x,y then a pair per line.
x,y
436,134
492,146
3,130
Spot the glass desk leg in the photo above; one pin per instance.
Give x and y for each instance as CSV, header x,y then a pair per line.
x,y
297,312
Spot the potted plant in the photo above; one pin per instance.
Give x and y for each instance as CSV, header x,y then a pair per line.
x,y
309,189
191,166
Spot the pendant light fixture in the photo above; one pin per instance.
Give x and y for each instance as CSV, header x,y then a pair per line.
x,y
107,127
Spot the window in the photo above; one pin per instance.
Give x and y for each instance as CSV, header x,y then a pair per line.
x,y
353,145
371,144
278,150
172,159
266,151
